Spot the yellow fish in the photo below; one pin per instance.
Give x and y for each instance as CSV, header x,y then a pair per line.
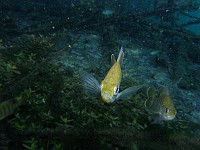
x,y
8,107
109,87
161,106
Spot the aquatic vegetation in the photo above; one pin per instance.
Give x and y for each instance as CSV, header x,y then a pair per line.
x,y
56,106
30,44
51,99
76,112
8,107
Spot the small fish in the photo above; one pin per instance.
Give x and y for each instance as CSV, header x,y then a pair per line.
x,y
160,106
155,52
107,12
8,107
109,87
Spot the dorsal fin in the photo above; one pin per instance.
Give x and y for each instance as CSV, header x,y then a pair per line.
x,y
151,94
120,56
163,91
113,60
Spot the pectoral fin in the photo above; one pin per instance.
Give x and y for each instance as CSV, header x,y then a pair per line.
x,y
156,119
90,85
128,92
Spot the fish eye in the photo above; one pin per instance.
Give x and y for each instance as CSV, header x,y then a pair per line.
x,y
167,110
116,90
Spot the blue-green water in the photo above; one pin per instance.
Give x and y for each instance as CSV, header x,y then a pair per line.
x,y
51,51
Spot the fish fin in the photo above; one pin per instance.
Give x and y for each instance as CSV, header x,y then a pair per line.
x,y
156,119
120,56
90,84
128,92
113,60
151,95
163,91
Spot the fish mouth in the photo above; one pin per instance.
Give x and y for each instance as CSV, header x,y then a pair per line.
x,y
169,117
106,98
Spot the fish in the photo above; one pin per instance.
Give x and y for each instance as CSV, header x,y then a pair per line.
x,y
160,106
109,87
8,107
107,12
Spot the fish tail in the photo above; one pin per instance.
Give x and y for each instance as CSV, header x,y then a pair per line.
x,y
120,56
90,85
